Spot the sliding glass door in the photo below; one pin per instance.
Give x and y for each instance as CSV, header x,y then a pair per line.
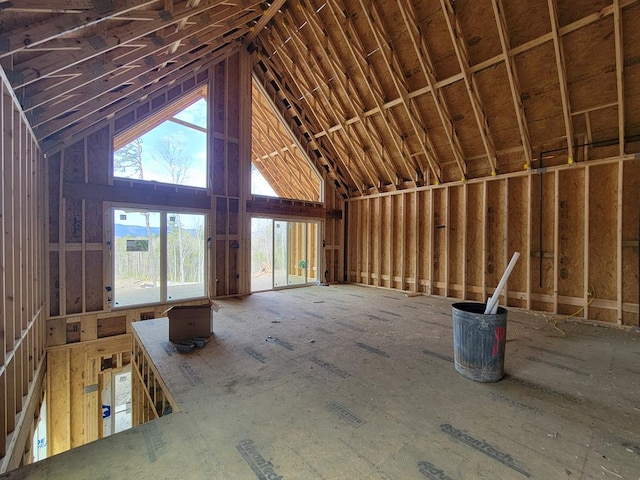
x,y
283,254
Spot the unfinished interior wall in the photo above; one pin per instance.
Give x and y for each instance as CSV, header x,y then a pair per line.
x,y
230,151
576,228
81,189
76,376
333,236
22,303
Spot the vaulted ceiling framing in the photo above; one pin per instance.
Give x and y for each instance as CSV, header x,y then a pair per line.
x,y
277,156
382,95
69,66
405,93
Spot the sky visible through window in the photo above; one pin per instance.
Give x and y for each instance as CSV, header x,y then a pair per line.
x,y
177,154
171,152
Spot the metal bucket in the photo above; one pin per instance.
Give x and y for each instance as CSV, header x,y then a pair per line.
x,y
479,341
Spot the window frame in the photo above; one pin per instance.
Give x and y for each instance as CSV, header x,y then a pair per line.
x,y
164,211
124,137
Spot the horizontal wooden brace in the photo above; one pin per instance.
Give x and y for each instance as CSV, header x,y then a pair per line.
x,y
292,208
139,194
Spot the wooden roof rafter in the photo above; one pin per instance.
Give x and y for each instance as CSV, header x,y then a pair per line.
x,y
460,48
562,76
267,170
86,73
193,77
423,56
277,165
360,151
48,6
31,35
267,16
402,89
120,37
299,129
108,104
512,75
313,112
346,142
617,26
53,118
354,45
304,87
279,148
181,25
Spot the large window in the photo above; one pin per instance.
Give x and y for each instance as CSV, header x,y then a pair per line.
x,y
158,256
170,147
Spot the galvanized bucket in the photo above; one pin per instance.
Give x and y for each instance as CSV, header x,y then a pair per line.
x,y
479,341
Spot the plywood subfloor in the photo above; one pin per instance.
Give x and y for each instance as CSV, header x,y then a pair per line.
x,y
348,382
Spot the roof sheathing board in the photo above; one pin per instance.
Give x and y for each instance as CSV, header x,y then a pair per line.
x,y
568,13
479,28
526,21
463,119
498,106
591,67
426,105
433,27
540,93
631,53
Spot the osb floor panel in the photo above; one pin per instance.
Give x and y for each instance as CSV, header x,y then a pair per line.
x,y
359,383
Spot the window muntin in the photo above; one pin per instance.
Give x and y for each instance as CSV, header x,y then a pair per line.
x,y
172,150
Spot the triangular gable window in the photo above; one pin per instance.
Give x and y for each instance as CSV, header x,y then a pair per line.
x,y
169,146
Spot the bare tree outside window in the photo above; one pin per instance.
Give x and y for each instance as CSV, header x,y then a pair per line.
x,y
129,160
169,152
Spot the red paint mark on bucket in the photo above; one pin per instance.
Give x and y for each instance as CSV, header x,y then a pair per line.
x,y
501,333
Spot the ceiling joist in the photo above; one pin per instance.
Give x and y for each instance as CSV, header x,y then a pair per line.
x,y
24,37
562,76
379,95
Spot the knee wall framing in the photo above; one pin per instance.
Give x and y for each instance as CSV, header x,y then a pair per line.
x,y
576,228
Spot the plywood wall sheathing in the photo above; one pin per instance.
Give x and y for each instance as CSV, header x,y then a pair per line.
x,y
74,379
474,242
630,235
518,233
603,206
571,207
455,233
542,204
467,234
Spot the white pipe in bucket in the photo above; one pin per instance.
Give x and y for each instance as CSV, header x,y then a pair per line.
x,y
492,304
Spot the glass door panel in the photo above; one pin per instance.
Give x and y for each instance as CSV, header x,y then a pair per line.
x,y
185,256
280,254
261,254
136,252
312,253
297,258
283,253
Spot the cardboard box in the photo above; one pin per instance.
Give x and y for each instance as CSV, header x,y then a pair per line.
x,y
186,322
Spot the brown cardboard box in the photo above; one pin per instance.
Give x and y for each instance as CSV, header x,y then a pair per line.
x,y
190,321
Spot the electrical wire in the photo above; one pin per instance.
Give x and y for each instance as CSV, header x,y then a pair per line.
x,y
591,294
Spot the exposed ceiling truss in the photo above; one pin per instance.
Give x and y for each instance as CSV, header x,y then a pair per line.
x,y
277,156
381,95
70,61
403,93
